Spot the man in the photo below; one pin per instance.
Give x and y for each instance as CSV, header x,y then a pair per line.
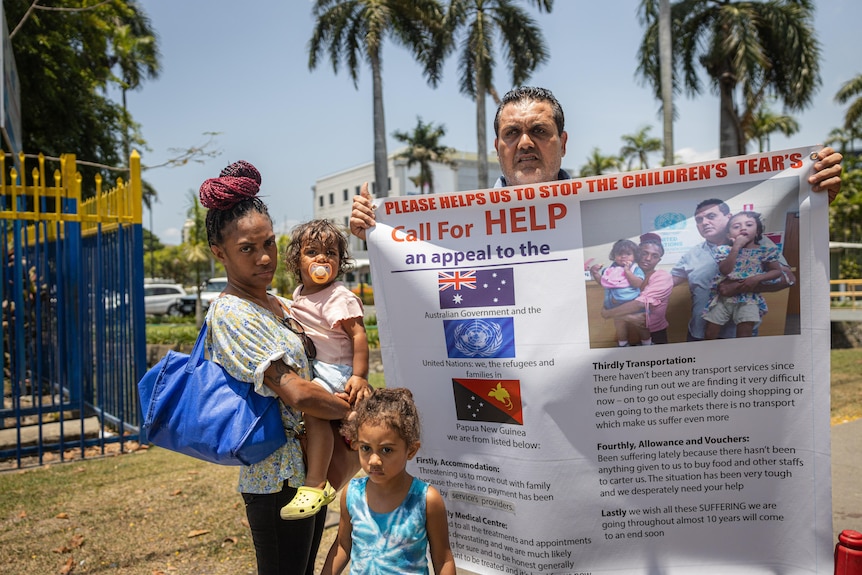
x,y
530,137
699,268
530,140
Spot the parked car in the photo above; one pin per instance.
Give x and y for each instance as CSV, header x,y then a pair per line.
x,y
209,291
163,299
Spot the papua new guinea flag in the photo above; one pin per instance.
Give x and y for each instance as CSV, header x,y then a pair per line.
x,y
479,338
476,288
488,400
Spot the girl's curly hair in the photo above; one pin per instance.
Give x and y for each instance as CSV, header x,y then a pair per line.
x,y
322,231
393,407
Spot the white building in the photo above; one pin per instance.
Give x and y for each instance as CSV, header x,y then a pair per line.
x,y
333,194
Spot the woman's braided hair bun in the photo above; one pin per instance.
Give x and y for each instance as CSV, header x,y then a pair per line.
x,y
237,182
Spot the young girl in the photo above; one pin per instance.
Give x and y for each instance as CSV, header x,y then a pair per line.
x,y
389,519
332,316
622,281
749,262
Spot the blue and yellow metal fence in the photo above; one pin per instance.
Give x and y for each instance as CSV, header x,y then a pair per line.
x,y
71,287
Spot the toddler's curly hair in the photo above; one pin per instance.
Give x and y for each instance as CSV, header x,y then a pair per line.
x,y
322,231
391,407
624,246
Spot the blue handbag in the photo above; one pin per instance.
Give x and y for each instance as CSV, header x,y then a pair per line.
x,y
193,406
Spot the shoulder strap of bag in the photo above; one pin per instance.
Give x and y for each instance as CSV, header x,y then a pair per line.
x,y
285,310
197,354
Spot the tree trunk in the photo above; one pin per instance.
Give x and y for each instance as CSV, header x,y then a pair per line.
x,y
127,140
481,133
428,177
381,167
666,60
729,127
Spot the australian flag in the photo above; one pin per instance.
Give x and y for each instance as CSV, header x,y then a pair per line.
x,y
480,338
476,288
489,400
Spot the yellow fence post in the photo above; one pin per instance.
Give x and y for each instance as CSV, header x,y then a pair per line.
x,y
137,189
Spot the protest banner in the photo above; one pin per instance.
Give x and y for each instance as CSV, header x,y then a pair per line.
x,y
558,451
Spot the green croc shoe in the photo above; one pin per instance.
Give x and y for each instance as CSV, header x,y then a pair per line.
x,y
307,502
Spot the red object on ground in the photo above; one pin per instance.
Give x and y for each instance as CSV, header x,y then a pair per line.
x,y
848,553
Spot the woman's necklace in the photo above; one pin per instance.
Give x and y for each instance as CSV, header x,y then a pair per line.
x,y
252,298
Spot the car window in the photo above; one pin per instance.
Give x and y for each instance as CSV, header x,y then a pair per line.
x,y
162,290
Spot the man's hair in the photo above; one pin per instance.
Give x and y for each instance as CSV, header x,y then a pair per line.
x,y
722,207
531,94
651,238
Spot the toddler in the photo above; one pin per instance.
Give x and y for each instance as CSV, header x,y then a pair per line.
x,y
622,281
333,317
749,262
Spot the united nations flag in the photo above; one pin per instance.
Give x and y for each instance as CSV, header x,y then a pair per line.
x,y
480,338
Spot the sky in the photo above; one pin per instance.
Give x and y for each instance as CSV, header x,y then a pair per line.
x,y
240,70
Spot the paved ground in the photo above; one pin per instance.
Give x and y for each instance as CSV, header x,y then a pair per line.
x,y
846,477
845,314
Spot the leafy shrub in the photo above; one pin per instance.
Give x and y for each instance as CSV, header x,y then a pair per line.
x,y
373,336
365,293
175,333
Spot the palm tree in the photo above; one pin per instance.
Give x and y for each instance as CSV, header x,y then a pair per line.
x,y
135,52
844,139
424,148
195,251
598,164
354,30
661,37
149,196
478,22
665,46
852,88
747,48
638,146
766,122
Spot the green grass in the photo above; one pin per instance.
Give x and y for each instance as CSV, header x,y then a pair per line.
x,y
376,380
846,384
144,513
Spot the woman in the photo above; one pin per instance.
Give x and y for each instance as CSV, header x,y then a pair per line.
x,y
252,335
651,305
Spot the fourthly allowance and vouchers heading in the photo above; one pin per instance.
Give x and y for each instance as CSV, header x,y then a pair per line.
x,y
559,452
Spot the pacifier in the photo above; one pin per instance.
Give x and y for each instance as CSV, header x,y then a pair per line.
x,y
320,273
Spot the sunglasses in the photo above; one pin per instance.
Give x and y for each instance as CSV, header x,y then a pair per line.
x,y
295,327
